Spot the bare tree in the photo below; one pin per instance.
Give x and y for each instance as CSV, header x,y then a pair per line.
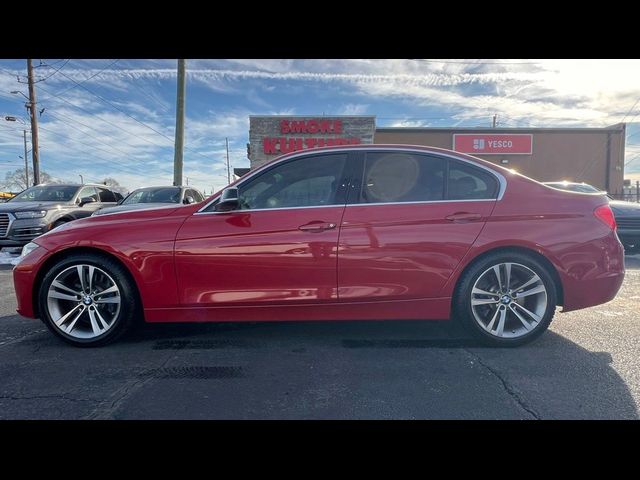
x,y
114,185
17,181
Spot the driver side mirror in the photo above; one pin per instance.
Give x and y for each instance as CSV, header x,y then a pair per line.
x,y
188,200
228,200
85,200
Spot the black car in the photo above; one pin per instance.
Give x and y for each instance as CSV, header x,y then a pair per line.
x,y
151,197
38,209
627,214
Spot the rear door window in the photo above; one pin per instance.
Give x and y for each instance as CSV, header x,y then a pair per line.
x,y
467,182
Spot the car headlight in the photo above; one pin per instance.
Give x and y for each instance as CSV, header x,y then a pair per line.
x,y
28,248
31,214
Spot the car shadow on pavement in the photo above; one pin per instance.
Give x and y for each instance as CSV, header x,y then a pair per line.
x,y
329,369
557,377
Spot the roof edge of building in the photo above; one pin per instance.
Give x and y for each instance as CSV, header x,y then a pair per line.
x,y
312,116
619,127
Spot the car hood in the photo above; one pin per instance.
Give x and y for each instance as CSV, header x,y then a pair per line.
x,y
625,208
134,206
22,206
88,229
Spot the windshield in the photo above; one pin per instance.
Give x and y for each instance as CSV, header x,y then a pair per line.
x,y
154,195
51,193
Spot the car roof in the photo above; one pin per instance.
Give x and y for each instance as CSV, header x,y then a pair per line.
x,y
72,185
160,186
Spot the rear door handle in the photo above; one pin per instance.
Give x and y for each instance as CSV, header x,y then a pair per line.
x,y
463,217
316,227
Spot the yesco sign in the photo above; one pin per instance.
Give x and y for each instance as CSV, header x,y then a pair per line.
x,y
270,136
506,144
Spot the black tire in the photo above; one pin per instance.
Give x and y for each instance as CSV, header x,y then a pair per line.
x,y
128,306
462,310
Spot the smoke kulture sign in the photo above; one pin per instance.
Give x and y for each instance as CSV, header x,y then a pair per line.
x,y
276,135
286,144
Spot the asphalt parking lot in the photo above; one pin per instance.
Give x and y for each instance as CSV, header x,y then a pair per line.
x,y
586,367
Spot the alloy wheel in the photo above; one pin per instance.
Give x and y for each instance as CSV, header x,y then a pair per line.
x,y
83,301
508,300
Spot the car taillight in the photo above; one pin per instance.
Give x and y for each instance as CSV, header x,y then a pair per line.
x,y
605,215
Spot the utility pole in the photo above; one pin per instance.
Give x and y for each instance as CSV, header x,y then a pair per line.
x,y
179,143
26,162
33,111
494,121
228,167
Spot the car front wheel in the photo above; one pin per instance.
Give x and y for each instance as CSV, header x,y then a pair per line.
x,y
87,300
506,299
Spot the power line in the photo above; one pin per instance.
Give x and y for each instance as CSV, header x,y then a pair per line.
x,y
51,74
93,128
127,154
630,110
79,83
164,107
107,121
9,72
118,108
55,115
54,63
129,115
131,169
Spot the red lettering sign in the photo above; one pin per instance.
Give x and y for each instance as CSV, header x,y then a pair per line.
x,y
280,145
487,144
297,127
311,126
269,145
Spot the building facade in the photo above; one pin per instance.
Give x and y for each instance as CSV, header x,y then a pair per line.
x,y
590,155
270,136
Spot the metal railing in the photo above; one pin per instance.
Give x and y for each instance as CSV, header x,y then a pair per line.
x,y
629,194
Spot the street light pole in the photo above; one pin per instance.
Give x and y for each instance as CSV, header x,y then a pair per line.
x,y
34,124
10,118
81,178
26,162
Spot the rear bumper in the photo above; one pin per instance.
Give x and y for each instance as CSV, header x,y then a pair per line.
x,y
596,279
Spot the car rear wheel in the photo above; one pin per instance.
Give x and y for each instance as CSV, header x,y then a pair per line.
x,y
87,300
506,299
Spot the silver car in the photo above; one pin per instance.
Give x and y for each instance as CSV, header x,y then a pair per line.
x,y
152,197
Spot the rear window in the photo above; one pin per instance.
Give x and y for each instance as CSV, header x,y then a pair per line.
x,y
466,182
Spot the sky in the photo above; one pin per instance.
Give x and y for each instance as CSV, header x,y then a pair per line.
x,y
116,117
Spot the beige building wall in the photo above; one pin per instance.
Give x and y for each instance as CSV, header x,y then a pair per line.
x,y
590,155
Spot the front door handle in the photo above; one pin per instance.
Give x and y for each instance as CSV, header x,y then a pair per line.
x,y
316,227
463,217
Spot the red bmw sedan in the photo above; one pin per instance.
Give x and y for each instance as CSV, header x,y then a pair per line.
x,y
367,232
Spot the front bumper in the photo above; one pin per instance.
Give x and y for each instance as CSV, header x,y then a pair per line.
x,y
24,277
22,230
